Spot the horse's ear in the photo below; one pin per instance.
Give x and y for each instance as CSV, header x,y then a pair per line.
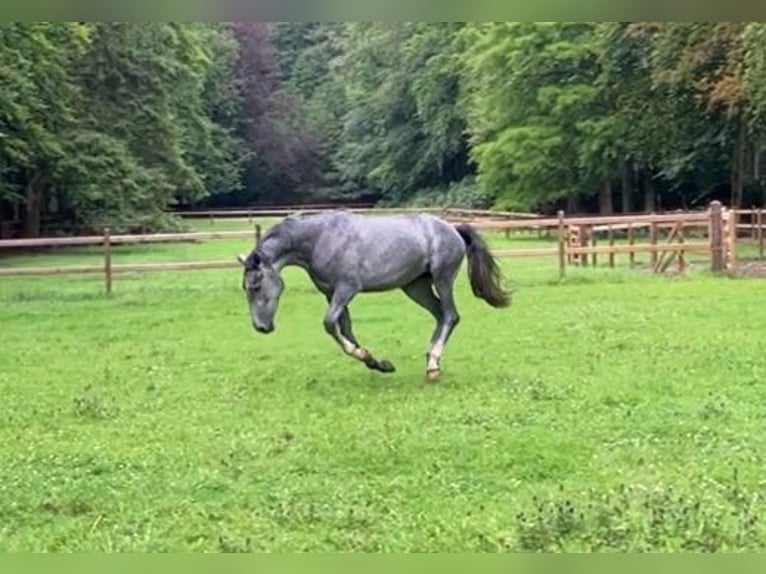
x,y
252,261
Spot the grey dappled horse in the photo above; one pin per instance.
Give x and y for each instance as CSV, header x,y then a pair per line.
x,y
345,254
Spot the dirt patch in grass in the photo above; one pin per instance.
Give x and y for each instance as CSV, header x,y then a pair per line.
x,y
750,268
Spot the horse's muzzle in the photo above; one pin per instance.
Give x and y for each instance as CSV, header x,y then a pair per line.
x,y
265,330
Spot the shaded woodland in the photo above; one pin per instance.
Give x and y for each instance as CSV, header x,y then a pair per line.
x,y
118,123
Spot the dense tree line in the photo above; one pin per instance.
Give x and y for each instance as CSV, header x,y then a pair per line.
x,y
114,123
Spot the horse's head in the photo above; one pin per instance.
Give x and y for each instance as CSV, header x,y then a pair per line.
x,y
263,286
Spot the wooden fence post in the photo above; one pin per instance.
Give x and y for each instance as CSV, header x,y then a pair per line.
x,y
611,244
681,261
631,242
562,246
760,233
594,258
584,242
732,239
107,261
257,233
717,262
653,241
753,228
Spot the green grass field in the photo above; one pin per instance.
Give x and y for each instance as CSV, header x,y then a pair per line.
x,y
614,411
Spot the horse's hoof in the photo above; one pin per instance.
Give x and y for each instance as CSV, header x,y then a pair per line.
x,y
433,375
385,366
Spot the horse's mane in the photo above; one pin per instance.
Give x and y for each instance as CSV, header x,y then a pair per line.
x,y
278,230
282,230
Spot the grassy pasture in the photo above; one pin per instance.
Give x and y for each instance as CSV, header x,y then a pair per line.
x,y
614,411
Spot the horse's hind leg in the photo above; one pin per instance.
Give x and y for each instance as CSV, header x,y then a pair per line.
x,y
421,292
449,320
337,323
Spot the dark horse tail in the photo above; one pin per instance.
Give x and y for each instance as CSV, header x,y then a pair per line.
x,y
483,272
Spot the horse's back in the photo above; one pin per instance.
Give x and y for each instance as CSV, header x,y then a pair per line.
x,y
428,232
386,251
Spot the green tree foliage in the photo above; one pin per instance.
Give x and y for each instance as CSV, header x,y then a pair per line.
x,y
38,102
148,84
113,123
110,123
535,110
563,109
697,70
403,130
283,159
310,67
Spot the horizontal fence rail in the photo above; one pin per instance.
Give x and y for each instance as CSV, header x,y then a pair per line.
x,y
284,211
596,220
640,248
577,239
213,213
279,207
122,268
123,239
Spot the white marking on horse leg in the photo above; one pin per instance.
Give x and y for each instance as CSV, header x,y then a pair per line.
x,y
435,355
350,348
361,354
433,366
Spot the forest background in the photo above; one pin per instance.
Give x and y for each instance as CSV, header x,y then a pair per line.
x,y
120,123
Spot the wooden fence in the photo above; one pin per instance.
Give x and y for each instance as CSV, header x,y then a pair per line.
x,y
263,209
715,232
107,241
447,212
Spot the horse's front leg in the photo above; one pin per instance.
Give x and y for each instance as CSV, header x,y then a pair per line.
x,y
337,323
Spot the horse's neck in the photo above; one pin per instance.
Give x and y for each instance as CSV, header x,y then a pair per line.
x,y
291,245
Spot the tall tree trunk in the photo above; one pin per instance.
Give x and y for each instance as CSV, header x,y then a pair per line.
x,y
33,206
573,203
738,165
648,186
627,186
605,206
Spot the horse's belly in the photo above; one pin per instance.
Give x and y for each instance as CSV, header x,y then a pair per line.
x,y
391,277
